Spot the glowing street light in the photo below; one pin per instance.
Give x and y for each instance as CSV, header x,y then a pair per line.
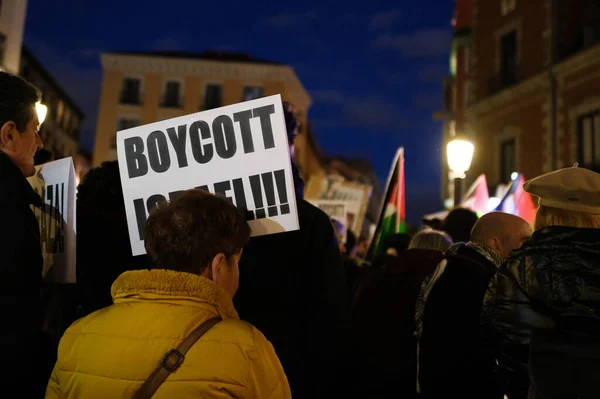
x,y
42,111
460,155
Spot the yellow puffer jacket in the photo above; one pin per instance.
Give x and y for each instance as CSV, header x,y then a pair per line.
x,y
110,353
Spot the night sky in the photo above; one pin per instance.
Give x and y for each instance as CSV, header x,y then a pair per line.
x,y
374,69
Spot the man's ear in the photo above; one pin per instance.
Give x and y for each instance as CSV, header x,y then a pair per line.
x,y
218,262
7,135
494,243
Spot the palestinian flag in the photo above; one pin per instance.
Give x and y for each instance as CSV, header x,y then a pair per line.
x,y
392,215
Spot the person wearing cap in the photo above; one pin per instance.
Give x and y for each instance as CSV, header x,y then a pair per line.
x,y
293,288
555,271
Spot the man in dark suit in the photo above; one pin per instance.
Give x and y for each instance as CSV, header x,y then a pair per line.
x,y
21,259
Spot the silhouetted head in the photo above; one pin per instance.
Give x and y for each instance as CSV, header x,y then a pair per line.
x,y
430,239
459,223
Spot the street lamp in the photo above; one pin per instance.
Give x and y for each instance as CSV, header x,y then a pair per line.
x,y
42,111
460,155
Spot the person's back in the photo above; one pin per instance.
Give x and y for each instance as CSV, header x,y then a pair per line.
x,y
292,287
384,323
103,247
452,350
452,347
195,243
555,274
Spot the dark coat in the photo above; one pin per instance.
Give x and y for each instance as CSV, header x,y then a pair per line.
x,y
454,357
21,266
384,323
293,289
557,269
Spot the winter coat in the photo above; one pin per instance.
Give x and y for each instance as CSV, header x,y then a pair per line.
x,y
454,357
21,266
293,288
384,324
111,352
557,269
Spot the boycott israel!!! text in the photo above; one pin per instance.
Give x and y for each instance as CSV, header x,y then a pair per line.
x,y
207,141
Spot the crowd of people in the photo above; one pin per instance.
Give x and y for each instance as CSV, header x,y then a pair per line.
x,y
480,307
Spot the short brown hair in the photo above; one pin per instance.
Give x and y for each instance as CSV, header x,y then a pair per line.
x,y
188,232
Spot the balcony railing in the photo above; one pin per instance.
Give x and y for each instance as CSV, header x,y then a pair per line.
x,y
504,80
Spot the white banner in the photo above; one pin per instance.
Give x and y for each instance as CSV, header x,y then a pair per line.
x,y
239,152
354,195
55,184
333,208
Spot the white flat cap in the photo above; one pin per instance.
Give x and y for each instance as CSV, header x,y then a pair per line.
x,y
573,189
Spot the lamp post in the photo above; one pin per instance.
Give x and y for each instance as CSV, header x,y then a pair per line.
x,y
460,155
42,111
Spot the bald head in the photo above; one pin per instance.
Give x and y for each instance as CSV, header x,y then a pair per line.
x,y
501,232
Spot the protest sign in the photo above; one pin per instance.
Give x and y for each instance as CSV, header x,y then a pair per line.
x,y
354,195
335,210
55,184
239,152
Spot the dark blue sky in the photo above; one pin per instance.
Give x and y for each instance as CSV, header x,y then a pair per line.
x,y
374,69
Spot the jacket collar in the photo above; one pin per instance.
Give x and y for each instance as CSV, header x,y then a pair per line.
x,y
14,184
462,249
161,283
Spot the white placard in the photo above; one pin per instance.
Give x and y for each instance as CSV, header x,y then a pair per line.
x,y
333,208
240,152
55,184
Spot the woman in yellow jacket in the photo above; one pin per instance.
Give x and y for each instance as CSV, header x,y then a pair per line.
x,y
195,242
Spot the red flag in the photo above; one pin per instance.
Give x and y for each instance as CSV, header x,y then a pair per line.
x,y
524,205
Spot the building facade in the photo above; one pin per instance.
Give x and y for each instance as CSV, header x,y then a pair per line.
x,y
12,24
141,88
531,100
62,126
457,88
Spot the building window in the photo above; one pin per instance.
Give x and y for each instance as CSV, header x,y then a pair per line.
x,y
508,159
507,6
508,59
171,96
60,109
66,120
123,124
588,139
2,47
213,97
467,59
130,93
127,123
252,93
